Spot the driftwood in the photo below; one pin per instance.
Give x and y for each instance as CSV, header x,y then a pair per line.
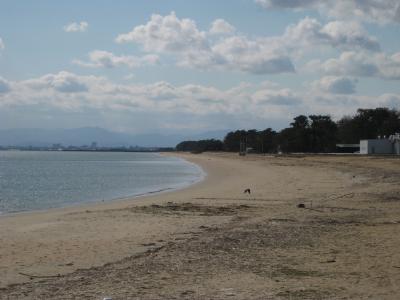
x,y
39,276
328,199
338,197
302,205
234,199
313,209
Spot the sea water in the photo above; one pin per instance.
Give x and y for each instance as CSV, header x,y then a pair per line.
x,y
36,180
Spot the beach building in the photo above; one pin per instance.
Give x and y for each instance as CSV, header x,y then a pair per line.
x,y
395,139
389,145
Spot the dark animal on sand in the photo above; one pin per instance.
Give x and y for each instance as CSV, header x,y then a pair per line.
x,y
247,191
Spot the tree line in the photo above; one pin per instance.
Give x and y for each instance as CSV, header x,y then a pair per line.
x,y
313,133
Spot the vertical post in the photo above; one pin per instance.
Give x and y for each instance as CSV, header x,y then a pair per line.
x,y
242,147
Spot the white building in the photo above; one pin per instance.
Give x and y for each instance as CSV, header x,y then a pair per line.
x,y
381,146
395,139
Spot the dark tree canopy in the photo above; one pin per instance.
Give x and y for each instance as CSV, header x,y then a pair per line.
x,y
323,134
232,140
258,141
300,122
200,146
368,124
315,134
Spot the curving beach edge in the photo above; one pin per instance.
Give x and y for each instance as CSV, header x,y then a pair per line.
x,y
211,240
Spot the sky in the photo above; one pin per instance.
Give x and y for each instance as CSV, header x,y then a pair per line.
x,y
175,66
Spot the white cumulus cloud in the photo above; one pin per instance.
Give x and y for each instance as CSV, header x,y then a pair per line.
x,y
390,100
253,56
192,47
361,64
166,34
105,59
280,97
336,85
2,46
63,82
382,11
76,27
220,26
181,106
338,34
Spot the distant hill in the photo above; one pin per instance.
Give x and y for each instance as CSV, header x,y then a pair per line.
x,y
85,136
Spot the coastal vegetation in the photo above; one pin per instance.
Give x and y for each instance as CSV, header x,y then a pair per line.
x,y
313,134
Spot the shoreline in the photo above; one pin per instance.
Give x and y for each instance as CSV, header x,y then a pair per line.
x,y
201,176
182,244
52,216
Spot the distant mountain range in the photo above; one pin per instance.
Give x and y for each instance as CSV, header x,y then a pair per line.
x,y
104,138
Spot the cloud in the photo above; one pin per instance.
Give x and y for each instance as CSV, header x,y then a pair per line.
x,y
4,86
2,46
361,64
165,105
220,26
162,91
283,97
231,51
336,85
63,82
192,47
390,100
70,91
382,11
253,56
338,34
99,58
287,3
240,54
76,27
166,34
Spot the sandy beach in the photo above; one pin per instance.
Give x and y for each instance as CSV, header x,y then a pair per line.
x,y
212,241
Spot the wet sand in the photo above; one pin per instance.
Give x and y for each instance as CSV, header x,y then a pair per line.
x,y
212,241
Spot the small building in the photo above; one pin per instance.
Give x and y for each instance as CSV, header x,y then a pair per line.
x,y
395,139
380,146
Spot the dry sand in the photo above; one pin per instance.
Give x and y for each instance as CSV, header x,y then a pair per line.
x,y
211,241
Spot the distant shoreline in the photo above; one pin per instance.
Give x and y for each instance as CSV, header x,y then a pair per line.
x,y
156,150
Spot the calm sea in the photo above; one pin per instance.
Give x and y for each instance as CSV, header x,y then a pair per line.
x,y
42,180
